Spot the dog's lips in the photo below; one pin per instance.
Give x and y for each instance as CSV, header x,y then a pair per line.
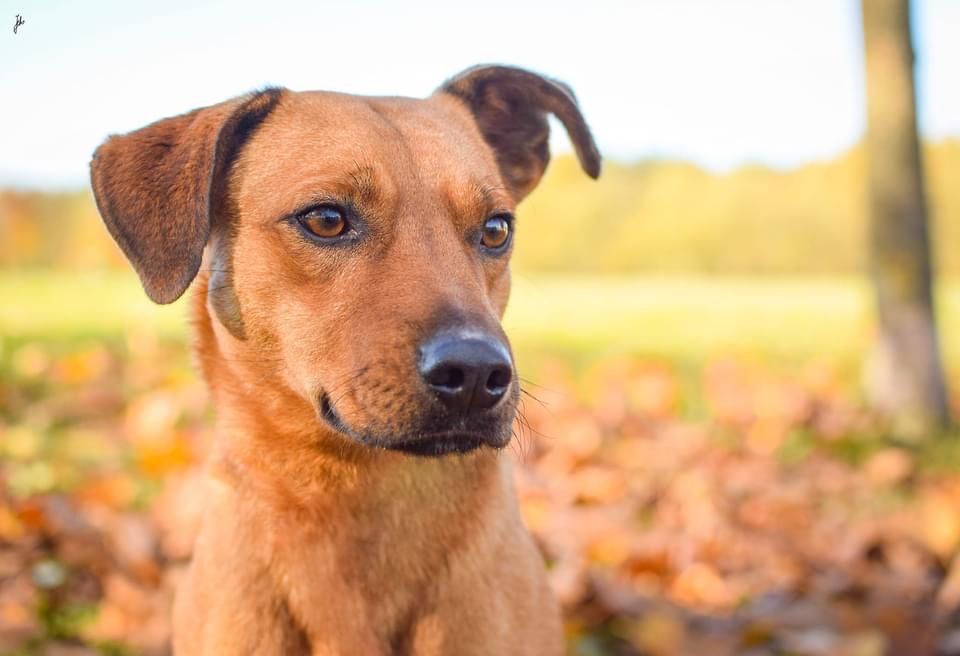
x,y
430,444
329,415
440,444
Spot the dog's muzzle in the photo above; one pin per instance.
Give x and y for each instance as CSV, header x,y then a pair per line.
x,y
467,386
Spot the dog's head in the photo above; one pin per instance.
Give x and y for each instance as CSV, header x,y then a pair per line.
x,y
354,251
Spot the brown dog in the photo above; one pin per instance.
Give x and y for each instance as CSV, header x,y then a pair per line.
x,y
350,258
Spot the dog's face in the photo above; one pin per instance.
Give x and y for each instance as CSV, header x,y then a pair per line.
x,y
357,248
387,246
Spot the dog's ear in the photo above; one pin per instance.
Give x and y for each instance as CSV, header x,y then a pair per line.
x,y
157,188
511,106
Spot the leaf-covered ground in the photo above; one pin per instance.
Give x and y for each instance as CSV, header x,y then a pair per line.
x,y
775,519
685,503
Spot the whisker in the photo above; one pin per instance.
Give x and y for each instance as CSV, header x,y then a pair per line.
x,y
522,418
530,382
535,398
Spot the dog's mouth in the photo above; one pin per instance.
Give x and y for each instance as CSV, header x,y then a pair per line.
x,y
438,445
424,444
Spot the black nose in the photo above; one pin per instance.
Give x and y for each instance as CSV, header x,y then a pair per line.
x,y
468,374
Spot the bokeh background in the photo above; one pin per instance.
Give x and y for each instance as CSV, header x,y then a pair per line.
x,y
700,458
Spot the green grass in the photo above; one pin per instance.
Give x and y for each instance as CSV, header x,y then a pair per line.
x,y
687,320
691,318
681,319
69,306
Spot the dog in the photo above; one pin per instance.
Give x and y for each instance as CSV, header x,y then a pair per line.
x,y
349,258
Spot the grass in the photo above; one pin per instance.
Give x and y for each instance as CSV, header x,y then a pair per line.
x,y
70,306
680,319
691,318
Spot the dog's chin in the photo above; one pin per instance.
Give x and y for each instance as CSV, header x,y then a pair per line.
x,y
428,443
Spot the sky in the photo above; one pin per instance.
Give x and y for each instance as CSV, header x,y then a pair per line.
x,y
721,83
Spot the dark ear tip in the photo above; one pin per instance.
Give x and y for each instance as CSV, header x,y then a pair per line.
x,y
160,295
164,291
589,156
593,167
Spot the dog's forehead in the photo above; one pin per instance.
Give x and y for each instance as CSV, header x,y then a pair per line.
x,y
325,131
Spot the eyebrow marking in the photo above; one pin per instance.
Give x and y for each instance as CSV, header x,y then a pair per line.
x,y
491,195
363,180
473,200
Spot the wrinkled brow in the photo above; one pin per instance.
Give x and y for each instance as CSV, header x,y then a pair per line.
x,y
363,180
477,199
493,197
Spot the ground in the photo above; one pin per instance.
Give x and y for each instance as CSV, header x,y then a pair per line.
x,y
694,459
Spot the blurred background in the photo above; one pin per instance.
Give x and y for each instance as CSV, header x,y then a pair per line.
x,y
741,346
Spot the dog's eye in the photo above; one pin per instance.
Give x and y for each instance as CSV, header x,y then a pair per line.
x,y
496,232
325,221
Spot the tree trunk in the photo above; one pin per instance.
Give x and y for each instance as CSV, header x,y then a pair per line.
x,y
904,373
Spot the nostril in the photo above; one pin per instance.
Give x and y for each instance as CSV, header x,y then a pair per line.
x,y
499,380
448,377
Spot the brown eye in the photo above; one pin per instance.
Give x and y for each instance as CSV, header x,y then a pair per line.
x,y
325,222
496,232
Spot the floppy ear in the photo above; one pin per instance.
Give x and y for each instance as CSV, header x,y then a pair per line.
x,y
157,188
511,106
